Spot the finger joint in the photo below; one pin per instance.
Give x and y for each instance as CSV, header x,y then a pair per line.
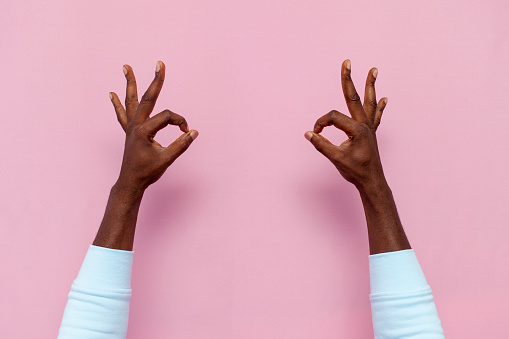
x,y
353,96
146,97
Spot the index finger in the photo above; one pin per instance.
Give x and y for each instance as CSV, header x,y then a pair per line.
x,y
161,120
337,119
148,100
353,101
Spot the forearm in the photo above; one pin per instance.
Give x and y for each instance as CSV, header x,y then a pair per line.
x,y
118,226
98,303
385,231
401,299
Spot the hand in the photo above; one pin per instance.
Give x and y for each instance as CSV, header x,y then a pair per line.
x,y
145,160
357,159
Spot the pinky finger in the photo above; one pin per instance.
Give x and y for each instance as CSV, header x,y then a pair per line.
x,y
379,110
119,110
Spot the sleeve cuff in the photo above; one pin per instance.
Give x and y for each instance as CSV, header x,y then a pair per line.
x,y
106,268
396,272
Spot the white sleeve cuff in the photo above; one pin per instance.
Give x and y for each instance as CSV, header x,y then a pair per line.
x,y
396,272
106,268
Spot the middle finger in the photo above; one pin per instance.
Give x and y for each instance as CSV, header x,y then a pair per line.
x,y
370,95
131,93
353,101
148,100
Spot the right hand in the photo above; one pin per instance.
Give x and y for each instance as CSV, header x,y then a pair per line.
x,y
145,160
357,159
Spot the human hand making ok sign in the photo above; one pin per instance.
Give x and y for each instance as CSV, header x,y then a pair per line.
x,y
357,159
145,160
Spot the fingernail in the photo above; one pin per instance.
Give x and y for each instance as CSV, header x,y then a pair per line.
x,y
125,70
158,66
308,135
348,65
375,73
111,97
194,134
385,100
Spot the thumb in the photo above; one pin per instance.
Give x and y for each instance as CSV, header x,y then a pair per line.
x,y
323,145
179,146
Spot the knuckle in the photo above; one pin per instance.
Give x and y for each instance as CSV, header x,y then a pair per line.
x,y
130,127
372,103
353,96
336,157
334,114
139,130
167,114
361,128
146,97
130,100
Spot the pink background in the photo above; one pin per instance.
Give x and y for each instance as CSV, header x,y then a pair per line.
x,y
252,233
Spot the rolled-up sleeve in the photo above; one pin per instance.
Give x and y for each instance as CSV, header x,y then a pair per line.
x,y
401,300
98,303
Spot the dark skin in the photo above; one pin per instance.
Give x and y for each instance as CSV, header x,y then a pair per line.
x,y
144,160
358,160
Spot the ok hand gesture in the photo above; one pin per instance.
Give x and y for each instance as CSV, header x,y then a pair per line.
x,y
357,159
145,160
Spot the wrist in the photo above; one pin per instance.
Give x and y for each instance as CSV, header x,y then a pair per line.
x,y
119,221
127,192
374,187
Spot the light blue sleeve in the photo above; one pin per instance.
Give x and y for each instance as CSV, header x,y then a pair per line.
x,y
98,303
401,301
